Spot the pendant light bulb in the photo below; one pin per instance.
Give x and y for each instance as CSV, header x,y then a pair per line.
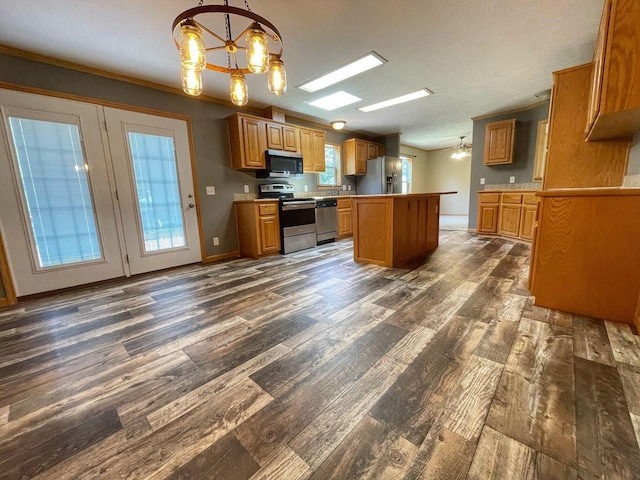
x,y
277,78
191,82
257,49
238,89
192,48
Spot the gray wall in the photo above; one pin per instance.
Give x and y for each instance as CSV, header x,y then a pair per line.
x,y
633,168
209,136
523,156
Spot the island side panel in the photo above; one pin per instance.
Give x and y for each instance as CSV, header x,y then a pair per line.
x,y
409,229
372,230
433,222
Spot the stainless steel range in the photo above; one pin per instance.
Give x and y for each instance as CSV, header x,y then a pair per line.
x,y
297,217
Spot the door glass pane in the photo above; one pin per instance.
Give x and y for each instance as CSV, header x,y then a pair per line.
x,y
158,193
53,173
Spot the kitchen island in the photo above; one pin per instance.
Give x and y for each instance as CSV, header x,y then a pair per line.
x,y
391,230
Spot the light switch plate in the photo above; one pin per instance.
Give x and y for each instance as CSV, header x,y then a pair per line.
x,y
482,181
306,189
211,190
512,179
246,189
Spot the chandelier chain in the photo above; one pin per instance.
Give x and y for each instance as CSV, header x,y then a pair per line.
x,y
246,4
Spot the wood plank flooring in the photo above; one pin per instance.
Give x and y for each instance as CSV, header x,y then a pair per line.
x,y
312,366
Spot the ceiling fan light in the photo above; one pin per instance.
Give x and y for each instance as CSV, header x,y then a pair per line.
x,y
192,48
238,89
191,82
257,49
277,78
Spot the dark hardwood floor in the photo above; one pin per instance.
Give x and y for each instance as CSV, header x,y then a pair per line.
x,y
312,366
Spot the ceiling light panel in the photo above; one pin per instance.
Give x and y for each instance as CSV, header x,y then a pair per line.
x,y
363,64
335,100
395,101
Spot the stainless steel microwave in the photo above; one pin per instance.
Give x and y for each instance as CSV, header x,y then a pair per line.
x,y
281,164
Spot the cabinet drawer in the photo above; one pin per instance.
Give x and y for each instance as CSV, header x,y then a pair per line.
x,y
344,203
489,198
267,209
530,199
515,198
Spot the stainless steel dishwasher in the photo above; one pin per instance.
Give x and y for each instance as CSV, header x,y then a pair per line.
x,y
327,220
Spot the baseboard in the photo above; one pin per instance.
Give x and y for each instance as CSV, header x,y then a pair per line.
x,y
223,256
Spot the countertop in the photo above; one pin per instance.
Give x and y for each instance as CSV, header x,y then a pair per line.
x,y
506,190
405,195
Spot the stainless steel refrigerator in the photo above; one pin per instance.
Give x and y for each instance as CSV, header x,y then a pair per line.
x,y
384,175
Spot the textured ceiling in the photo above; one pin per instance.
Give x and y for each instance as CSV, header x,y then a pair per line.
x,y
477,56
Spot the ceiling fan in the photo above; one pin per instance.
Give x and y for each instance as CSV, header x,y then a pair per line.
x,y
462,150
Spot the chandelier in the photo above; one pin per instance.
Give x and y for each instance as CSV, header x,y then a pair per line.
x,y
462,150
223,50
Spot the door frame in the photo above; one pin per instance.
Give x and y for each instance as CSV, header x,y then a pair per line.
x,y
5,270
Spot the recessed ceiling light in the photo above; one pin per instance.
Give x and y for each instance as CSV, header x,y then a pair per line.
x,y
335,100
354,68
394,101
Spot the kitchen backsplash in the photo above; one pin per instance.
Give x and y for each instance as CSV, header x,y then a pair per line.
x,y
514,186
632,181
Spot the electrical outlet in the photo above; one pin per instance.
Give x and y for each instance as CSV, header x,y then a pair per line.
x,y
246,189
216,241
512,179
348,187
306,188
482,181
211,190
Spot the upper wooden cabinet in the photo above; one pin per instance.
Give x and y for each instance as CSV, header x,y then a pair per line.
x,y
247,141
498,142
356,153
312,149
614,108
282,137
250,136
572,162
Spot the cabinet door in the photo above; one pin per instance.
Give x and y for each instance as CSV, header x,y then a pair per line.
x,y
306,148
498,142
269,235
488,218
527,221
275,140
344,222
362,152
290,138
254,143
372,151
598,67
319,164
509,220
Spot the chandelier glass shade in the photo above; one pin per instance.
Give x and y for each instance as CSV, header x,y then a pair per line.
x,y
461,151
201,48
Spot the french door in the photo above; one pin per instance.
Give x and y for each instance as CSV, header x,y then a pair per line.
x,y
80,205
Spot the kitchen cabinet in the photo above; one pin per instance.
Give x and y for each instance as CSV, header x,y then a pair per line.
x,y
585,257
247,141
345,211
511,214
312,149
498,142
356,153
614,107
488,211
282,137
572,162
541,150
258,227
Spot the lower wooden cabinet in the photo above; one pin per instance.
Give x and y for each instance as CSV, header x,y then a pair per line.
x,y
585,256
345,220
510,214
258,228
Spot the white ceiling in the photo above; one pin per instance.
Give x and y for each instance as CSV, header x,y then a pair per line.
x,y
478,56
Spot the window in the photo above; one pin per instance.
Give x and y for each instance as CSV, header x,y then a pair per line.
x,y
331,175
406,174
